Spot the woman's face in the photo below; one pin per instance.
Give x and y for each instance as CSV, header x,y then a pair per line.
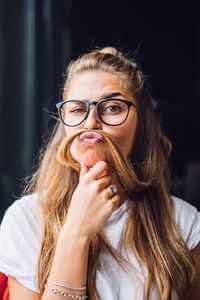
x,y
95,86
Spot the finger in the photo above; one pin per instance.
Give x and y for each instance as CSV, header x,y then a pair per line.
x,y
83,171
113,190
114,202
108,193
97,170
104,182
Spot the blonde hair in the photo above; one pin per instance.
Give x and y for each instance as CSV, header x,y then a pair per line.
x,y
151,232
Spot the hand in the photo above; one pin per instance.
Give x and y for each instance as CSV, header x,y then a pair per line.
x,y
92,202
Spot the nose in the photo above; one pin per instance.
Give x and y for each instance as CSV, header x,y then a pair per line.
x,y
92,121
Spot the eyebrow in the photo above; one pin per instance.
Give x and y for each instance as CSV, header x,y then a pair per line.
x,y
111,95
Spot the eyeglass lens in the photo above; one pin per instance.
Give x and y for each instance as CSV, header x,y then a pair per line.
x,y
112,112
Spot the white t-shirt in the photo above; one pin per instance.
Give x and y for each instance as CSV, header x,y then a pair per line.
x,y
20,238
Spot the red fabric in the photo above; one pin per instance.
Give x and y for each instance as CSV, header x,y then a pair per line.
x,y
4,294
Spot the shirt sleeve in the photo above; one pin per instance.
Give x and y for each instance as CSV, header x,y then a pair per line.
x,y
188,219
19,242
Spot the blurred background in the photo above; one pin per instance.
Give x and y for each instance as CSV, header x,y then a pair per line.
x,y
38,38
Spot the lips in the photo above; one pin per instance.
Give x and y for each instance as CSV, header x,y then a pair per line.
x,y
91,138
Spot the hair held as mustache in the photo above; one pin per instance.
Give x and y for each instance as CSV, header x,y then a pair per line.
x,y
119,162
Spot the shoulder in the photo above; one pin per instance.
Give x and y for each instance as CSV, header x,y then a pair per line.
x,y
25,211
188,219
26,202
22,219
20,238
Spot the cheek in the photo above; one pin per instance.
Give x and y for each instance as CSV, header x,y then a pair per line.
x,y
126,142
70,130
67,131
125,136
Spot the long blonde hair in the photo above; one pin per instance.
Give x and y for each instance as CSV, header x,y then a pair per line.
x,y
151,232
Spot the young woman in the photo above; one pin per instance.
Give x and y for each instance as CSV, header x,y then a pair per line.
x,y
97,221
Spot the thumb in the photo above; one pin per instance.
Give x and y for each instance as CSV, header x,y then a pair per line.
x,y
83,171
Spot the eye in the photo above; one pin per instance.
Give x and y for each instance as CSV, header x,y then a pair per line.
x,y
112,107
75,108
78,110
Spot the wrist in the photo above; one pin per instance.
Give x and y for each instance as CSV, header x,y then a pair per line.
x,y
74,233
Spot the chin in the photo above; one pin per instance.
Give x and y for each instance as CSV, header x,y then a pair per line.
x,y
91,158
90,155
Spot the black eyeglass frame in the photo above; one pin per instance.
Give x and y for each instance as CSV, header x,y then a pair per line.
x,y
96,104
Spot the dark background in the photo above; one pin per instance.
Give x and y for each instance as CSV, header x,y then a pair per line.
x,y
39,38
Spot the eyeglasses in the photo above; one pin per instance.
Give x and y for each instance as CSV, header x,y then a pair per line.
x,y
112,112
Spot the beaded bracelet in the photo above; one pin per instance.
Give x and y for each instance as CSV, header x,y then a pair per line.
x,y
67,286
64,294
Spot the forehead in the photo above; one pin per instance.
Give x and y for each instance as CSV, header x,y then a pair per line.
x,y
95,85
